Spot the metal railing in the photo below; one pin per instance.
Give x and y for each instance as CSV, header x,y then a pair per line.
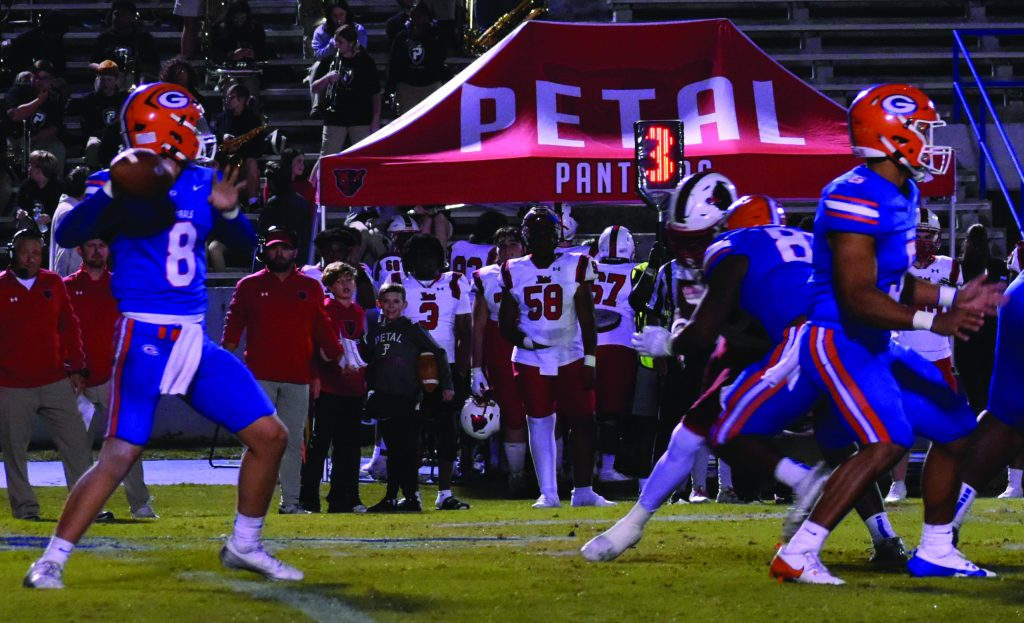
x,y
985,114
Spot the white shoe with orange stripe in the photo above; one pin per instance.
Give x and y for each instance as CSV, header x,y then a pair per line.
x,y
802,568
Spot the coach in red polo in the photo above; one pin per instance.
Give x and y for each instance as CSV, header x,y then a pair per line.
x,y
96,309
282,314
42,369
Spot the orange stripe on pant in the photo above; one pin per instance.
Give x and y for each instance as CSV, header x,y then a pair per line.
x,y
854,390
115,387
757,402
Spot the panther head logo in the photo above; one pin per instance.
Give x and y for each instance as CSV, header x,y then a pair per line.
x,y
349,181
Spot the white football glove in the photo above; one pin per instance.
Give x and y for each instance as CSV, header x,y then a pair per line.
x,y
478,382
653,342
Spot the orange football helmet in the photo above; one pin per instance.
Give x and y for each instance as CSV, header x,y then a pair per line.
x,y
897,121
751,211
165,118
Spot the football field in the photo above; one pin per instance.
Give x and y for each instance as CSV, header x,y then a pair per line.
x,y
499,561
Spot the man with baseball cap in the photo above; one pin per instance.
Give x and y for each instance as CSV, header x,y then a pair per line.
x,y
281,311
100,112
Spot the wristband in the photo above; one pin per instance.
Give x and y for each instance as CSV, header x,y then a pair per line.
x,y
231,214
679,324
923,320
947,295
590,361
527,343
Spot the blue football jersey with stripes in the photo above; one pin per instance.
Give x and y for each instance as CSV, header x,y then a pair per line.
x,y
775,289
862,202
166,273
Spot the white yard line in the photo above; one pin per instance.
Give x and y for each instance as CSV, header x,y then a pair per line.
x,y
559,522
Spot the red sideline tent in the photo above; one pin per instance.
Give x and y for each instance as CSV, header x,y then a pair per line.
x,y
547,115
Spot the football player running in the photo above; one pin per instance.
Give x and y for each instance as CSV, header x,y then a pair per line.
x,y
162,348
864,234
439,302
492,356
547,311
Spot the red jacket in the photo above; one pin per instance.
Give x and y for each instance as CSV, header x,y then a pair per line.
x,y
96,308
283,320
40,342
349,322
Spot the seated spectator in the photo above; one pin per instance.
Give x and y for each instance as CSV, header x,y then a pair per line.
x,y
128,43
64,261
416,67
238,37
398,22
100,112
44,42
39,195
239,119
286,208
181,72
295,161
336,14
349,92
38,108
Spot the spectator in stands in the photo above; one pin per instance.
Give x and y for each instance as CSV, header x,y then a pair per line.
x,y
416,67
44,42
974,358
38,197
399,21
239,119
191,14
181,72
93,302
444,12
128,43
42,370
238,37
64,261
338,410
434,220
286,209
282,313
295,161
349,93
336,15
100,112
38,109
393,344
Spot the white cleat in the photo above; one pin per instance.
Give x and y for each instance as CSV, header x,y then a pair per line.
x,y
805,494
144,512
610,475
803,568
545,502
610,544
260,561
1011,492
589,499
698,495
897,492
45,574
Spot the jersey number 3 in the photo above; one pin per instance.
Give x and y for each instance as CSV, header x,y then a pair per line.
x,y
543,301
181,256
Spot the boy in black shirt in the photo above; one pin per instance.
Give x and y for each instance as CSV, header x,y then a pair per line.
x,y
100,111
393,346
416,67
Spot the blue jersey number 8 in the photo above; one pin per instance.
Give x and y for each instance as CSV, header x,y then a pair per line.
x,y
181,257
792,245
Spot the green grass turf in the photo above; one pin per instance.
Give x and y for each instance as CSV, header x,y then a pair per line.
x,y
504,562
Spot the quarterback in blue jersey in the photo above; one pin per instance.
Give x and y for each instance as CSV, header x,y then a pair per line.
x,y
884,394
158,247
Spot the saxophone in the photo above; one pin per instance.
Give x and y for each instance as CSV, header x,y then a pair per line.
x,y
232,145
477,42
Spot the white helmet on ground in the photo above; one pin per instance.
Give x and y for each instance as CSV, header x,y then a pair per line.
x,y
616,242
480,418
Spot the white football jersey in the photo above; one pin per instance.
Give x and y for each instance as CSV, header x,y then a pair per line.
x,y
580,249
386,267
547,309
611,294
468,257
487,283
435,304
942,271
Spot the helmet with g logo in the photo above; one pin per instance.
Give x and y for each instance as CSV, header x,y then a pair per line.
x,y
165,118
752,211
897,121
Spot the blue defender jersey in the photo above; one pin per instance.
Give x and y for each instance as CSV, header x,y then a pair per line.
x,y
164,273
862,202
775,289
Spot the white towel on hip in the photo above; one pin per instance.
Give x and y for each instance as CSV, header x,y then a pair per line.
x,y
184,361
351,358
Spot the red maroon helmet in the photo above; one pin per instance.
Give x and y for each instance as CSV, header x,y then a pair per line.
x,y
540,218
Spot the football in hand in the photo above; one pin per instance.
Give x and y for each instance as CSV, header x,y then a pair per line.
x,y
426,368
141,174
